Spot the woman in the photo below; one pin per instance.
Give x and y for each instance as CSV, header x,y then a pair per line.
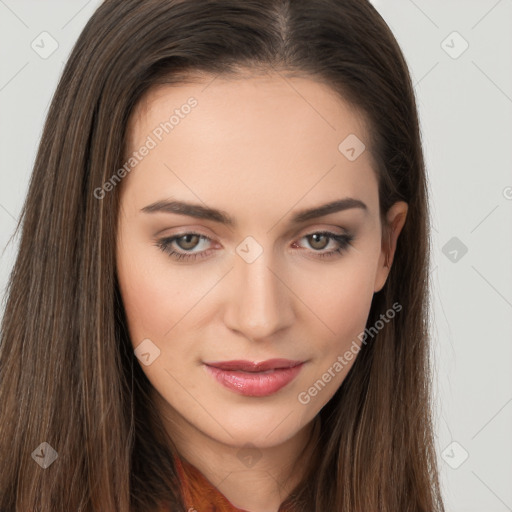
x,y
220,297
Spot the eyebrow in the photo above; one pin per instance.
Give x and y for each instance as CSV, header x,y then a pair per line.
x,y
202,212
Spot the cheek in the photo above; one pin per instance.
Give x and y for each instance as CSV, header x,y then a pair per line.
x,y
340,303
155,298
144,295
340,297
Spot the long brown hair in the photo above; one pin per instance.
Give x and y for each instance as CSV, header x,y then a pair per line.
x,y
68,375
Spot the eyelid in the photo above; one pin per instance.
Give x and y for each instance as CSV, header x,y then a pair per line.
x,y
322,229
295,234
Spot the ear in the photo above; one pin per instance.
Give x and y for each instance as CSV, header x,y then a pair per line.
x,y
395,220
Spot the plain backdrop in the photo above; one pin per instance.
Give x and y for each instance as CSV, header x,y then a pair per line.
x,y
459,54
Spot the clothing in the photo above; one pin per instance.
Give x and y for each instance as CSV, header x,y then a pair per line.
x,y
199,494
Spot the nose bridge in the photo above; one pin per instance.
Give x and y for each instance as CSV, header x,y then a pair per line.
x,y
260,302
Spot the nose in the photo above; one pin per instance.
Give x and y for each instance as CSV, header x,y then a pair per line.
x,y
260,303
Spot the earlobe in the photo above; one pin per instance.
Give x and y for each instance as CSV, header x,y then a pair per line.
x,y
395,220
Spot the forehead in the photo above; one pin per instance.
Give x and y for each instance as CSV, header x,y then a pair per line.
x,y
272,137
274,101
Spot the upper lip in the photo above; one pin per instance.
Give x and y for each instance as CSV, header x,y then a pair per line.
x,y
251,366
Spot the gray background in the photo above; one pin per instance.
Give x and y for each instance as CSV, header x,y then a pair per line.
x,y
465,102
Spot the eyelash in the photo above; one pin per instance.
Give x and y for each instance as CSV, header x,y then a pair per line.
x,y
165,243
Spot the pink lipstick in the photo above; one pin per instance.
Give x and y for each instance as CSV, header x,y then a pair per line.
x,y
255,379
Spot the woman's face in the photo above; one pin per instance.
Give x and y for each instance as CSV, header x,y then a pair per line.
x,y
249,275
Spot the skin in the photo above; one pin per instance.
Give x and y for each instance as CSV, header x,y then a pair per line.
x,y
259,148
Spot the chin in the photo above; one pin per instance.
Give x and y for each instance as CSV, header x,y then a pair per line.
x,y
261,428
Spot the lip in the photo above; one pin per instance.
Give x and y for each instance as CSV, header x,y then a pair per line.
x,y
254,378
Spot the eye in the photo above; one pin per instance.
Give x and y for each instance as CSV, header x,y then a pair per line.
x,y
318,240
186,242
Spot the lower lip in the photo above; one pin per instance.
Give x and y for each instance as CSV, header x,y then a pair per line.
x,y
255,383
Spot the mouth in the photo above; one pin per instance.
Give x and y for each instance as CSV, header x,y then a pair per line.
x,y
254,379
